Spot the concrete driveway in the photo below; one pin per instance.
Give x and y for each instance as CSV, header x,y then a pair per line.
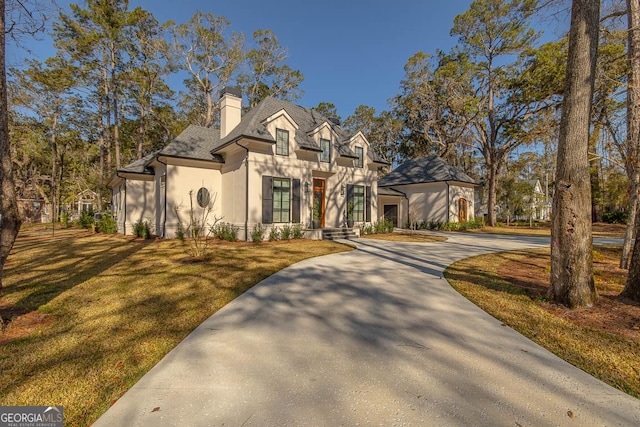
x,y
370,337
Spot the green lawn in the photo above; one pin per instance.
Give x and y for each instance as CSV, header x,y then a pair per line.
x,y
112,307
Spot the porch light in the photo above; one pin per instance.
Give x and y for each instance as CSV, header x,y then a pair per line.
x,y
342,190
306,187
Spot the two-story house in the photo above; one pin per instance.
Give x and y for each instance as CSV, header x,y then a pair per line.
x,y
278,164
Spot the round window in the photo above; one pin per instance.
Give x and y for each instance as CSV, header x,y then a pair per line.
x,y
203,197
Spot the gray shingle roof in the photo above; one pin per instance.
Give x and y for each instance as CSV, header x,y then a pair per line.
x,y
140,166
424,169
195,142
307,120
386,191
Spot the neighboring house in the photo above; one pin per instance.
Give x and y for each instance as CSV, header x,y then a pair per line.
x,y
85,201
32,210
426,189
278,164
540,208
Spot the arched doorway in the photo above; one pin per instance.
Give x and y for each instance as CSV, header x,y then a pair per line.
x,y
462,210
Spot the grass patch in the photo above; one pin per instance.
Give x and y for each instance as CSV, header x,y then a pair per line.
x,y
598,229
406,237
112,307
603,340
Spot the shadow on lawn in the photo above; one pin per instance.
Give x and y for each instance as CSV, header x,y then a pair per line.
x,y
116,327
58,266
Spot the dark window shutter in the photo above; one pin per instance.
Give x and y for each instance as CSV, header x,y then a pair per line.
x,y
367,203
295,199
267,200
349,193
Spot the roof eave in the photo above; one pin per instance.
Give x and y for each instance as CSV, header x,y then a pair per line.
x,y
171,156
238,138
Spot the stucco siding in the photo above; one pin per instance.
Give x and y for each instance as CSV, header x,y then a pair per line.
x,y
427,202
180,180
399,201
233,184
140,204
118,205
456,193
336,173
431,202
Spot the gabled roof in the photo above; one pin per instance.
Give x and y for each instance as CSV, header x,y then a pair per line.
x,y
195,142
423,170
200,143
535,184
252,126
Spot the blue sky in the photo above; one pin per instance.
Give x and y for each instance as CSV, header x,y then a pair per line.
x,y
350,52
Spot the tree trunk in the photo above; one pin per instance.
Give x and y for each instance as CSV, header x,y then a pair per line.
x,y
630,230
594,171
493,188
632,288
141,132
114,95
104,105
54,170
10,221
571,243
208,121
103,149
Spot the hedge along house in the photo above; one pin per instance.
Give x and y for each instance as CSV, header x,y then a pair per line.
x,y
426,189
278,164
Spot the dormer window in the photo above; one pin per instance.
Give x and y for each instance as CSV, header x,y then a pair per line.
x,y
360,159
282,142
325,146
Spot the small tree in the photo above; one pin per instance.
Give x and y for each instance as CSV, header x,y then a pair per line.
x,y
199,227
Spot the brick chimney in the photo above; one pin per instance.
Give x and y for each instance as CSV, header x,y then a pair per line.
x,y
230,109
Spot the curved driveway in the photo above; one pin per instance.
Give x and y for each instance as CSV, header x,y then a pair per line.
x,y
370,337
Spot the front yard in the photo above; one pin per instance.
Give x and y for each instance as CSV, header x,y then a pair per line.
x,y
603,340
92,313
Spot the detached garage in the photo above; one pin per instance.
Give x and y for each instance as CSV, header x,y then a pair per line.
x,y
426,189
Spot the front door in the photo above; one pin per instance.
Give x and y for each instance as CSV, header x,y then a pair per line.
x,y
462,210
391,214
318,200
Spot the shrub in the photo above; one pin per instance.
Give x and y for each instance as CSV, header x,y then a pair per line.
x,y
180,230
86,219
64,219
225,231
141,229
298,232
107,225
383,226
616,217
366,229
257,235
286,232
274,234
